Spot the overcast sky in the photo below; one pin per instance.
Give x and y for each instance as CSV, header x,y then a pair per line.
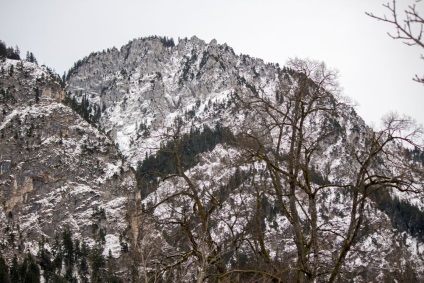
x,y
375,70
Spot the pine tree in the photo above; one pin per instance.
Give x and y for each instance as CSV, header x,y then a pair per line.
x,y
32,271
18,51
58,254
83,264
37,95
63,79
30,57
68,253
14,270
4,271
97,264
3,49
45,262
12,54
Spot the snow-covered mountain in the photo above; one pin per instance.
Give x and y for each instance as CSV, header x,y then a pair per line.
x,y
208,166
154,99
58,173
145,85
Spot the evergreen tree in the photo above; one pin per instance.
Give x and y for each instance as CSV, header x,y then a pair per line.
x,y
68,253
58,254
18,52
4,271
32,271
30,57
83,264
3,50
11,54
37,94
97,264
14,270
64,79
45,262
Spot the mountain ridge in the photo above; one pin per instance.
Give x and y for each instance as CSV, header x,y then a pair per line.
x,y
58,173
153,93
201,162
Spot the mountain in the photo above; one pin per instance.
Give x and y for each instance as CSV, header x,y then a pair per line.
x,y
191,163
215,137
58,173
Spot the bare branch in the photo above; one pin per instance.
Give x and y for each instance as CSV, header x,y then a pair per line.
x,y
409,30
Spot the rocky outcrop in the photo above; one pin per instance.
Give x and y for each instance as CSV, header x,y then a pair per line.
x,y
150,93
57,171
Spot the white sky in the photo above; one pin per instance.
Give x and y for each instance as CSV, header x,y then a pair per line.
x,y
375,70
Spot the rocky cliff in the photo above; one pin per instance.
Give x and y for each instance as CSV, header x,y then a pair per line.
x,y
189,163
213,135
58,173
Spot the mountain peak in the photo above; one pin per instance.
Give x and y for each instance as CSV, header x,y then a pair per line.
x,y
29,82
195,119
57,172
148,81
189,161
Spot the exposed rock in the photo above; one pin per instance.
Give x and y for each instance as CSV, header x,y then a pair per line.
x,y
141,93
57,171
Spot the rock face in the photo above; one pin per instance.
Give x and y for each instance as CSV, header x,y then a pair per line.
x,y
163,103
143,86
57,171
245,171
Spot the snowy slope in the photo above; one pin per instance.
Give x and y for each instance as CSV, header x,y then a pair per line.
x,y
151,92
57,171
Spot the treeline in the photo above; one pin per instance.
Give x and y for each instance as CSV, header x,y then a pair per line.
x,y
167,42
184,151
90,113
404,216
27,271
68,260
9,52
416,155
15,53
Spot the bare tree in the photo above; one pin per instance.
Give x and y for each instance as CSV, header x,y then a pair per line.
x,y
382,147
409,27
190,206
289,134
284,138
